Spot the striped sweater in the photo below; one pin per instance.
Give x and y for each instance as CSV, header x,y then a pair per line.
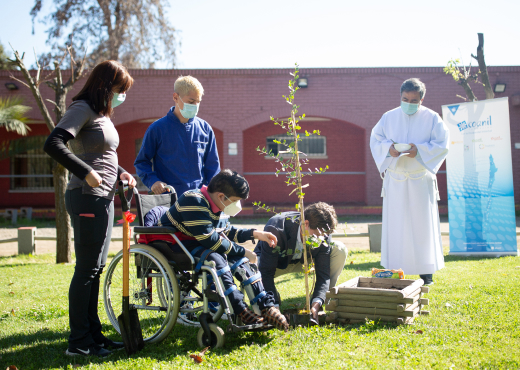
x,y
192,215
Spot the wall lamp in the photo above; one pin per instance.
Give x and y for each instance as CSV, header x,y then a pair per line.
x,y
11,86
500,88
302,82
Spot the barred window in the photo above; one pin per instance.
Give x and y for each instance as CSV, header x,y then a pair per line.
x,y
31,168
313,146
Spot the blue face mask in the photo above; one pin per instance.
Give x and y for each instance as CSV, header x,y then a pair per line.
x,y
118,99
189,110
409,108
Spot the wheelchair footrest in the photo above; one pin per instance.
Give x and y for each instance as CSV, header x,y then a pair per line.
x,y
255,327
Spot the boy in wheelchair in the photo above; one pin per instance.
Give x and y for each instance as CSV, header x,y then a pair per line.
x,y
203,217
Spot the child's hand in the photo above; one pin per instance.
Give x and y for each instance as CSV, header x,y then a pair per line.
x,y
267,237
250,255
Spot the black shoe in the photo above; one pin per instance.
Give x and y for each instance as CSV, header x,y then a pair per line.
x,y
110,344
94,350
428,279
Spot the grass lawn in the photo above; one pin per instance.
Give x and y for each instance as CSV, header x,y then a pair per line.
x,y
474,323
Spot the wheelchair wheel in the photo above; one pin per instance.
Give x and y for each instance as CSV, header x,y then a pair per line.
x,y
217,337
150,274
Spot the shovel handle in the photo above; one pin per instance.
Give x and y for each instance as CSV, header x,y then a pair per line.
x,y
126,260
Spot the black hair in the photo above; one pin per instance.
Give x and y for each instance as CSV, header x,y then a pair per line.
x,y
99,89
414,84
321,216
230,183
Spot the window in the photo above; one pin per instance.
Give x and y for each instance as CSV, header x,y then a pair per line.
x,y
313,146
31,168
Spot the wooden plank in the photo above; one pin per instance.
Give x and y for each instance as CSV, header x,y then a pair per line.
x,y
359,316
413,287
402,283
414,294
377,311
425,289
373,304
363,297
408,307
425,301
371,291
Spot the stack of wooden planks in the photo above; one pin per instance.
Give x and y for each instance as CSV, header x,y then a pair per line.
x,y
390,300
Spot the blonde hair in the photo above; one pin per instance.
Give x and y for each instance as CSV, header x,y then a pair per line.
x,y
186,84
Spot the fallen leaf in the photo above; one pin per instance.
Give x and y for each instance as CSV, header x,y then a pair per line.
x,y
204,351
351,262
12,312
11,283
196,358
12,293
12,367
470,286
418,332
448,305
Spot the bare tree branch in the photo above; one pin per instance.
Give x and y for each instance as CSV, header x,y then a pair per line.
x,y
35,90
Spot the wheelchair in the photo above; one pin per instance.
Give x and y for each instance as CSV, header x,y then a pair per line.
x,y
168,287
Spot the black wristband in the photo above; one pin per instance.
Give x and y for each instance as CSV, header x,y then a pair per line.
x,y
252,236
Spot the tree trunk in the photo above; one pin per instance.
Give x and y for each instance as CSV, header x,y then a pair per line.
x,y
483,68
469,92
63,227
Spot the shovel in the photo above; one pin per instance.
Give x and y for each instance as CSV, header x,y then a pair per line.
x,y
129,324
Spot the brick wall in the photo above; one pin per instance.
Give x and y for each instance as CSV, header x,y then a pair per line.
x,y
238,104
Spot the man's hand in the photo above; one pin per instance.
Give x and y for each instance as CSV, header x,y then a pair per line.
x,y
93,179
267,237
250,255
412,151
394,152
159,187
129,178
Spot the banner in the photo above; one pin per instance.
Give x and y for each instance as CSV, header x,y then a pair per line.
x,y
481,202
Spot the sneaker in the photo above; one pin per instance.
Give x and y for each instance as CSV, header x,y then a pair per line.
x,y
94,350
427,278
110,344
248,317
274,317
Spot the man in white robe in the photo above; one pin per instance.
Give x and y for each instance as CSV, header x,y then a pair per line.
x,y
411,235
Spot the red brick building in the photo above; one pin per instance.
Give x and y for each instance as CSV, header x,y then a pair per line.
x,y
343,103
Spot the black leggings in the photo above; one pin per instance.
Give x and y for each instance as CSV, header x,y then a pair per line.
x,y
91,242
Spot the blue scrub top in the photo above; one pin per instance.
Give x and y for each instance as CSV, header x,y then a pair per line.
x,y
184,155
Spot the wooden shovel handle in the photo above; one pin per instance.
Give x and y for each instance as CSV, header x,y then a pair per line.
x,y
126,258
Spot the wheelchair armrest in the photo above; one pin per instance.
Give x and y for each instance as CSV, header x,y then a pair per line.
x,y
154,230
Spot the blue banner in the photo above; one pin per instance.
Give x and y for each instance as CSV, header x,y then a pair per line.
x,y
481,203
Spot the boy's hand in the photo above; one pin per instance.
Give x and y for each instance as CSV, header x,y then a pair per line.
x,y
250,255
267,237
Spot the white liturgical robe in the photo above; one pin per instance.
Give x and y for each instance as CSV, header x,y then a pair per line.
x,y
411,236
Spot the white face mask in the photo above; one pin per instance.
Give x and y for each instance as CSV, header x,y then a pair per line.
x,y
190,110
232,209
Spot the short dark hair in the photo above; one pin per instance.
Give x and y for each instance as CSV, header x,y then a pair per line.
x,y
99,89
414,84
230,183
321,216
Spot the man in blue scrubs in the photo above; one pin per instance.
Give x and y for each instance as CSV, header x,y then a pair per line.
x,y
179,149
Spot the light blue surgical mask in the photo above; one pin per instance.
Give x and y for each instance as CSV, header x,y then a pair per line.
x,y
409,108
118,99
189,110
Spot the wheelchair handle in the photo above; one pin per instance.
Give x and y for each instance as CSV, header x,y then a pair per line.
x,y
170,188
126,199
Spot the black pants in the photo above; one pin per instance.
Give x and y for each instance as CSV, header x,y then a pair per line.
x,y
91,242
